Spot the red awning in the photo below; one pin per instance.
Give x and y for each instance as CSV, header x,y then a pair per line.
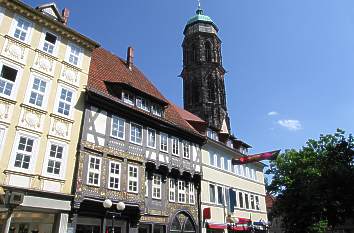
x,y
240,228
243,221
217,226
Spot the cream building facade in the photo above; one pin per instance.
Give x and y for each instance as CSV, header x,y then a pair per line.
x,y
44,68
233,193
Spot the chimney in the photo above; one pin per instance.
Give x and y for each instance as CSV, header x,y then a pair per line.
x,y
65,14
130,57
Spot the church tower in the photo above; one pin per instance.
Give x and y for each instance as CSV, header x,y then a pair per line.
x,y
203,74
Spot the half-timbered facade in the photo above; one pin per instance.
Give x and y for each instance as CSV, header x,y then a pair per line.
x,y
135,148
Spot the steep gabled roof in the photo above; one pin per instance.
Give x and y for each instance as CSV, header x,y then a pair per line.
x,y
107,69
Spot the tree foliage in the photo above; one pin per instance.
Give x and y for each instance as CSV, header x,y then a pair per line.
x,y
315,185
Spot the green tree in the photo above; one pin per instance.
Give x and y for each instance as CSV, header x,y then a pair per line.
x,y
314,186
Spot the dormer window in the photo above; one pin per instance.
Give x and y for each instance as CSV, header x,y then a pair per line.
x,y
156,110
128,98
212,135
229,144
142,103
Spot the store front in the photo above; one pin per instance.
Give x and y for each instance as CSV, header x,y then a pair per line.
x,y
30,212
93,217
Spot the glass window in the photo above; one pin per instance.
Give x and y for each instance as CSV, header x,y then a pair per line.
x,y
218,160
186,150
114,175
247,201
212,193
252,201
136,133
172,190
181,191
22,29
175,149
142,103
156,110
38,92
49,42
240,199
191,193
211,159
65,101
156,186
132,179
7,79
257,203
247,172
163,142
118,129
226,164
94,171
236,167
24,152
253,174
128,98
151,138
55,159
220,195
74,54
242,171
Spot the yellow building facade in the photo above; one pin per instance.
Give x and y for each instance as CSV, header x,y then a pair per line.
x,y
232,193
44,68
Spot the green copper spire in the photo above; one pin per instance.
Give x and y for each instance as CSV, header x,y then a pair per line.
x,y
199,16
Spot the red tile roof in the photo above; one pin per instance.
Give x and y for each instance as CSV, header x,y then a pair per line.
x,y
107,67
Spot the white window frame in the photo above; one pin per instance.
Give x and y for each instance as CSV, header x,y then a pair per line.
x,y
135,135
118,131
162,145
247,201
223,202
130,99
149,138
252,200
237,169
222,159
229,165
182,191
175,146
242,170
191,194
156,186
133,179
185,145
28,32
239,200
63,160
3,131
33,154
14,84
55,47
247,172
68,53
215,198
156,110
2,13
139,102
94,170
114,175
172,190
72,103
257,203
34,76
253,174
146,185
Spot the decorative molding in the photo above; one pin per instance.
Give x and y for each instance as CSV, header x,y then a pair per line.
x,y
6,108
31,118
15,50
60,127
70,75
44,63
112,151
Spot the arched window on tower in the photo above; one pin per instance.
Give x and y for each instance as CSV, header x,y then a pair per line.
x,y
207,51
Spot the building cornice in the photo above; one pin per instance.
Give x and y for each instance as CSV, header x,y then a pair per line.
x,y
36,16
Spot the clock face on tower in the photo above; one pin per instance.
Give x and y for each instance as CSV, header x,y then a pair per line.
x,y
203,73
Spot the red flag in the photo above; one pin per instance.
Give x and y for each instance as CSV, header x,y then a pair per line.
x,y
257,157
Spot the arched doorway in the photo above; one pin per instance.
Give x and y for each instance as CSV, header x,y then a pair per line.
x,y
182,223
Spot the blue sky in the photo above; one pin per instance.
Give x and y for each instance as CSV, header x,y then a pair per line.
x,y
290,64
